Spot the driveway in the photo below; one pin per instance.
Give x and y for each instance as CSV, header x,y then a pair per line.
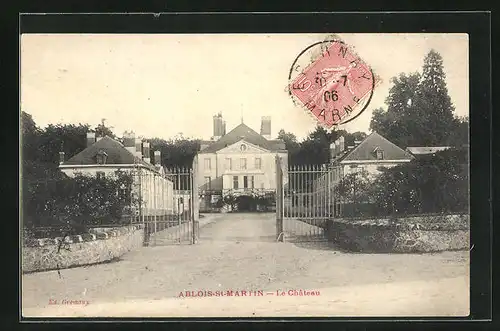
x,y
238,259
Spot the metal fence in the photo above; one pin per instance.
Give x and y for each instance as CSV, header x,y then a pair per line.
x,y
173,222
308,200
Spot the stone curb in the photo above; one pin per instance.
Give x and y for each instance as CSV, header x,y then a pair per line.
x,y
85,237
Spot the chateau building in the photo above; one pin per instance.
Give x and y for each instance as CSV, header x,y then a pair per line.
x,y
240,162
103,156
369,155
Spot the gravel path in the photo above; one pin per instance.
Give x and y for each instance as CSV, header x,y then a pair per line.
x,y
238,252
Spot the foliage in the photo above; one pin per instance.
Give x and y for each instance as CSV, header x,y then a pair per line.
x,y
261,199
355,187
315,148
419,109
102,130
175,152
42,146
230,200
56,138
431,184
79,201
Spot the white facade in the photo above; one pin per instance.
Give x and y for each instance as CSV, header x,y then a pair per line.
x,y
240,166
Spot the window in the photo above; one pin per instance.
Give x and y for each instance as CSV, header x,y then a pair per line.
x,y
245,181
235,182
100,175
243,163
252,182
101,157
229,164
207,183
243,147
208,164
258,163
380,154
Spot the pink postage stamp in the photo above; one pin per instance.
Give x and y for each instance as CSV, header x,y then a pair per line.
x,y
336,87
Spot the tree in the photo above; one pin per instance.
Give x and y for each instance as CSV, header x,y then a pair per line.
x,y
459,136
315,148
429,184
419,109
289,139
69,138
355,187
402,120
175,153
30,136
102,130
434,102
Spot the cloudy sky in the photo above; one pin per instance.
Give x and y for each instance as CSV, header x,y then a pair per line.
x,y
159,85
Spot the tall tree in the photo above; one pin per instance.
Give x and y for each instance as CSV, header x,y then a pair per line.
x,y
401,122
434,103
419,109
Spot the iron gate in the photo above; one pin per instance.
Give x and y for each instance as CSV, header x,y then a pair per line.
x,y
178,221
305,201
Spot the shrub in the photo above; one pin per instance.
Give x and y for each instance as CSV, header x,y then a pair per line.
x,y
71,205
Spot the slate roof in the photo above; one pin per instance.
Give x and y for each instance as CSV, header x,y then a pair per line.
x,y
242,131
426,150
117,154
365,151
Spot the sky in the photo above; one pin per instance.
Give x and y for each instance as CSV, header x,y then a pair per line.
x,y
159,85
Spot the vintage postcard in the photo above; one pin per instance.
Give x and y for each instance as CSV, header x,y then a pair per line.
x,y
245,175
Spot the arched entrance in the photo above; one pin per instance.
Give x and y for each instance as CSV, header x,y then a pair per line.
x,y
246,203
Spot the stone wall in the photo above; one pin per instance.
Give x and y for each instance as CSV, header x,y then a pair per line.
x,y
401,235
99,245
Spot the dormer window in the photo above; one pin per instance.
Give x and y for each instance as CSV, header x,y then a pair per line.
x,y
101,157
380,154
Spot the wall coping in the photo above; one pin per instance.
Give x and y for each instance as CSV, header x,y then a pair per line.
x,y
92,235
424,222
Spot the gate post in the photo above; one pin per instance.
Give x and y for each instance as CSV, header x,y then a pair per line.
x,y
195,201
279,200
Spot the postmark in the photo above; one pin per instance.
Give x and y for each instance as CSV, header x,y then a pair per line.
x,y
335,87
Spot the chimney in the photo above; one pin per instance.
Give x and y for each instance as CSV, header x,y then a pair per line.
x,y
138,147
145,148
265,127
157,158
332,151
90,138
218,126
337,147
61,157
129,141
223,128
341,143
